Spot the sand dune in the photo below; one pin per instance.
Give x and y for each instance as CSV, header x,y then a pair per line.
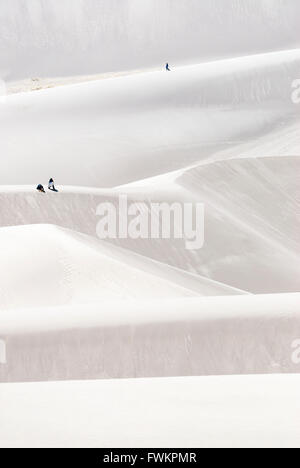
x,y
251,232
46,266
106,119
251,227
147,124
250,334
230,412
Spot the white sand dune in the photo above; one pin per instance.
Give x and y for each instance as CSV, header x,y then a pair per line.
x,y
251,231
251,221
45,265
210,412
221,129
142,125
250,334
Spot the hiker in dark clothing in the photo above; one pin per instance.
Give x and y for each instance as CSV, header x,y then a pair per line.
x,y
167,67
51,185
40,188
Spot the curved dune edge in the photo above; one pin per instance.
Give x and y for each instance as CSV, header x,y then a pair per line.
x,y
249,245
143,125
51,266
251,334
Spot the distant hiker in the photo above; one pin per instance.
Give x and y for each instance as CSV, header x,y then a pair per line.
x,y
167,67
40,188
51,185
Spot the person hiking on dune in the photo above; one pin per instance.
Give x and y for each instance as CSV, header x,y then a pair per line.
x,y
40,188
167,67
51,185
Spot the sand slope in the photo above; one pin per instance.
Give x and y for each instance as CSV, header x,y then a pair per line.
x,y
46,266
251,220
230,412
106,119
250,334
147,124
251,227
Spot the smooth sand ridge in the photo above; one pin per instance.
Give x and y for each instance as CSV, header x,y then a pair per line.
x,y
43,265
230,412
70,38
246,334
251,232
147,124
251,220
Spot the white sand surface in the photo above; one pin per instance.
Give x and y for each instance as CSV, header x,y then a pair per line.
x,y
85,99
141,125
250,334
209,412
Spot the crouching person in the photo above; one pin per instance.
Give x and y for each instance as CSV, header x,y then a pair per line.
x,y
40,188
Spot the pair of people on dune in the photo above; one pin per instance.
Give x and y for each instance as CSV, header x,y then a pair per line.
x,y
51,186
